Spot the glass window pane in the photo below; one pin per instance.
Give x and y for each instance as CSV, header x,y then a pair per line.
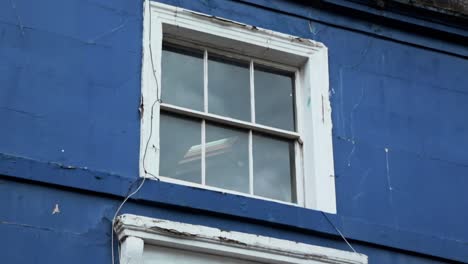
x,y
182,77
228,88
180,148
227,158
274,99
273,163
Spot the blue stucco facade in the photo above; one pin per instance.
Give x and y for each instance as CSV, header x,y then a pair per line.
x,y
70,129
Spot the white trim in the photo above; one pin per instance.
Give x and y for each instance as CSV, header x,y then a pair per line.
x,y
298,145
132,229
203,152
230,121
205,81
252,92
131,251
315,180
216,26
317,135
150,92
252,119
251,168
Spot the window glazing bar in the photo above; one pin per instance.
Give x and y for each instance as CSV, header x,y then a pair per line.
x,y
252,92
203,124
252,119
203,152
230,122
205,81
251,181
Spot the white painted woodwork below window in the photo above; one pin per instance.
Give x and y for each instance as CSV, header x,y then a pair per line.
x,y
177,243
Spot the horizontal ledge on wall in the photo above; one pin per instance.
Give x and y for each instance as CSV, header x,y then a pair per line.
x,y
13,167
397,27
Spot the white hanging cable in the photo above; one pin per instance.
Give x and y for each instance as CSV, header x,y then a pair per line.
x,y
339,232
158,100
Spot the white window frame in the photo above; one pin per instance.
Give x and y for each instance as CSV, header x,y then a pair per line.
x,y
134,232
315,181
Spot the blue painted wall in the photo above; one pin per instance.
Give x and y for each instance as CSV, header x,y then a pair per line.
x,y
69,95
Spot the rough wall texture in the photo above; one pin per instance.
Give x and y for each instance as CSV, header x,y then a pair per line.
x,y
80,232
69,96
456,7
70,72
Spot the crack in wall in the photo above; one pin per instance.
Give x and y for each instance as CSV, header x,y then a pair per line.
x,y
361,60
390,188
389,183
18,18
60,35
351,124
41,228
109,32
26,113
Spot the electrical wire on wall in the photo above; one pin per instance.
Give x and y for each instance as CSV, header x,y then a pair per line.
x,y
117,212
339,232
158,100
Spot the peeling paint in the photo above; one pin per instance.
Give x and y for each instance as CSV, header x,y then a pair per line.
x,y
67,167
255,247
229,22
171,231
56,209
141,107
231,241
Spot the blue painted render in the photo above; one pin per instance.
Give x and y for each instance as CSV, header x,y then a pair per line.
x,y
69,95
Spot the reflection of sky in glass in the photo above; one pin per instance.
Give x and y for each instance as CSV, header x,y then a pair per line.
x,y
182,78
229,88
227,158
178,137
273,168
274,100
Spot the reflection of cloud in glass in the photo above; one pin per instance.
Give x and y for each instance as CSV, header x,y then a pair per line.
x,y
269,184
272,160
177,136
182,77
229,88
227,158
274,101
